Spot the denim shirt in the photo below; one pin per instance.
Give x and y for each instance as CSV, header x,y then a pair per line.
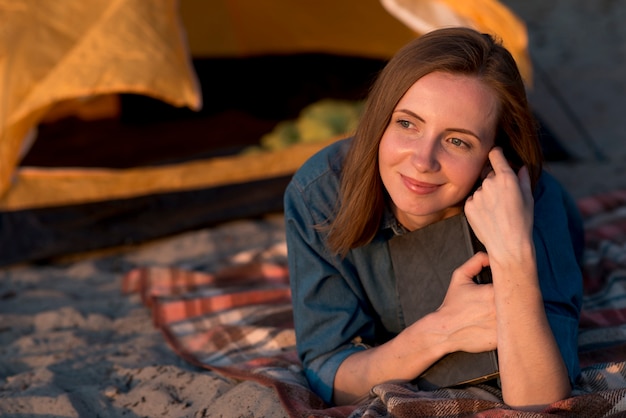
x,y
338,301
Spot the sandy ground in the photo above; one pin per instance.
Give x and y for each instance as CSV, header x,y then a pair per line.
x,y
72,346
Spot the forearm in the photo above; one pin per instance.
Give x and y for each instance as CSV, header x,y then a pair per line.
x,y
400,359
532,370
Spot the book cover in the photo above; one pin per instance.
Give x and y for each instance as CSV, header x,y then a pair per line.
x,y
423,262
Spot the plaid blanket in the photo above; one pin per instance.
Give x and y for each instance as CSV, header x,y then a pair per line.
x,y
238,321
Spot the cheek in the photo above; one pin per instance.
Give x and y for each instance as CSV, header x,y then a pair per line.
x,y
466,173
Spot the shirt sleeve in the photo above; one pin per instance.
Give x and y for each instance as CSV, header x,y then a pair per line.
x,y
328,307
559,241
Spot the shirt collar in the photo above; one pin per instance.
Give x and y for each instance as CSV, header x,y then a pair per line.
x,y
389,221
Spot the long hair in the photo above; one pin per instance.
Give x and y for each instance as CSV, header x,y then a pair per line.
x,y
452,50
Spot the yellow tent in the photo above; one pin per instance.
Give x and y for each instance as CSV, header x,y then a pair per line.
x,y
56,56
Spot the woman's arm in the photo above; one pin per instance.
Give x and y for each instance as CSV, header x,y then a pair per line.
x,y
465,320
532,370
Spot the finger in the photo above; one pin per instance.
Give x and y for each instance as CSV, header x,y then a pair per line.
x,y
473,266
524,182
498,161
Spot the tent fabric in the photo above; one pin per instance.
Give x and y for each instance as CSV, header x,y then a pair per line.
x,y
238,28
489,16
54,51
368,28
41,234
48,187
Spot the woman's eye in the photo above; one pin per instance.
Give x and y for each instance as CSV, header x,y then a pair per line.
x,y
457,142
404,123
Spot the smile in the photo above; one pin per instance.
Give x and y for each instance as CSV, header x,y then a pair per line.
x,y
419,187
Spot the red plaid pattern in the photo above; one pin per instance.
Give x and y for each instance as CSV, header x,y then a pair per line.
x,y
238,321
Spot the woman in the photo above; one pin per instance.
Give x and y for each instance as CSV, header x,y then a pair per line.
x,y
448,112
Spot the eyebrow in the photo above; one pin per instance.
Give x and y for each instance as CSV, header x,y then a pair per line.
x,y
460,130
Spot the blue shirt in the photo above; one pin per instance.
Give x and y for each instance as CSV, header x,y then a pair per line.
x,y
337,299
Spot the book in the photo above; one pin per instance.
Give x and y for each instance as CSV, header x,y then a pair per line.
x,y
423,261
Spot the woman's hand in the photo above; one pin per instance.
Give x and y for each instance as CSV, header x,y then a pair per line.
x,y
501,210
464,321
467,314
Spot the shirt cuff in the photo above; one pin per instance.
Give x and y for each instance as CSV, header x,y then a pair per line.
x,y
321,372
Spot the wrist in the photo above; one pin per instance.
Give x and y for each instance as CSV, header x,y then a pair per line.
x,y
418,346
436,329
513,258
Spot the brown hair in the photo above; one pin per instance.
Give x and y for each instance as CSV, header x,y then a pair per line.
x,y
453,50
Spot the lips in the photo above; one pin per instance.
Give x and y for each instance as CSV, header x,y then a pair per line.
x,y
419,187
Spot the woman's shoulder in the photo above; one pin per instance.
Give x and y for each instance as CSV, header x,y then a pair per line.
x,y
325,163
314,188
549,188
554,205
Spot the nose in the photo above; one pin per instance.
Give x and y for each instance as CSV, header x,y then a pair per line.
x,y
425,155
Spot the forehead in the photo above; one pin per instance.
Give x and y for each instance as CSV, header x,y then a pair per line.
x,y
453,98
466,86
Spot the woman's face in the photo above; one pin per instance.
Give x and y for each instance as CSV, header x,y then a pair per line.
x,y
435,146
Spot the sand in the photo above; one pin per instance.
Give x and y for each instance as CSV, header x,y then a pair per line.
x,y
73,346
